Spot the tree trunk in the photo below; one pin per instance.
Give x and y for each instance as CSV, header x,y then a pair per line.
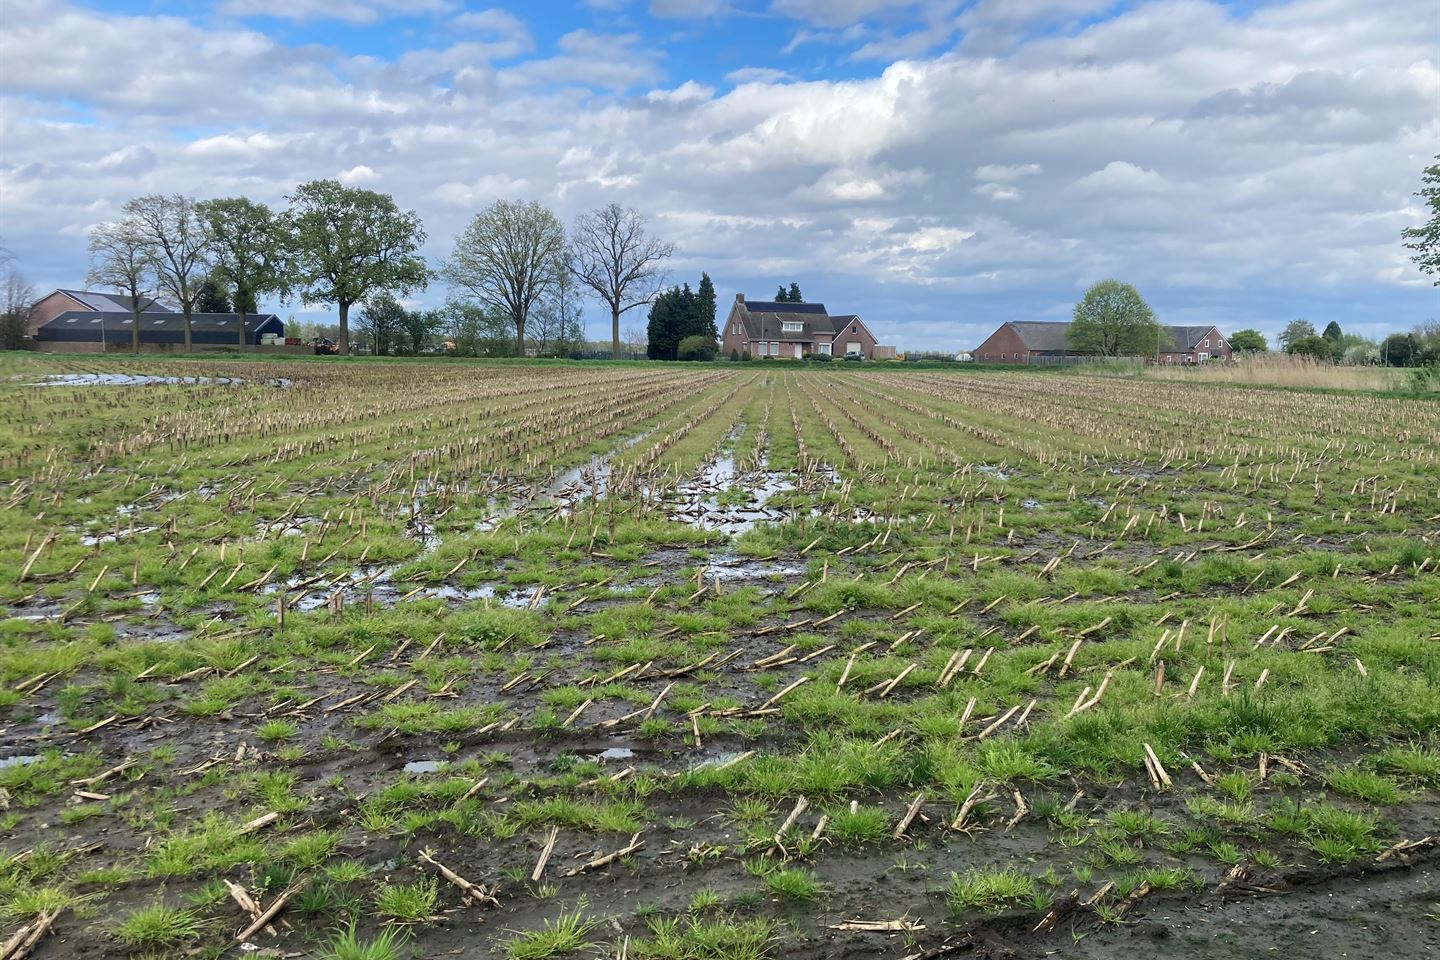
x,y
614,332
344,328
520,338
240,309
187,308
134,323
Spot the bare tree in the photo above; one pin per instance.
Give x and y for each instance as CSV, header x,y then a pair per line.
x,y
178,247
556,320
120,258
614,257
508,258
636,340
17,300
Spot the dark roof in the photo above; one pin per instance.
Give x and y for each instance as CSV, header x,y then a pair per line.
x,y
1184,338
765,320
1044,335
158,327
96,300
1048,336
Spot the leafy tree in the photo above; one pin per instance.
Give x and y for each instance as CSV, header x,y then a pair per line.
x,y
782,295
697,346
383,320
1113,320
1426,338
1312,346
120,259
615,257
212,297
509,258
349,244
477,331
1397,350
670,321
1249,341
1424,240
419,327
1332,332
177,246
795,296
705,305
251,251
1295,330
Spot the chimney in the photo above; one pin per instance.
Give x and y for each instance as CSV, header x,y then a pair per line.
x,y
739,298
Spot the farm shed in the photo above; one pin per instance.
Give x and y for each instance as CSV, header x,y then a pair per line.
x,y
53,304
84,331
1038,342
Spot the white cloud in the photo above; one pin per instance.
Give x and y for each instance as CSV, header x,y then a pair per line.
x,y
358,176
349,11
1202,154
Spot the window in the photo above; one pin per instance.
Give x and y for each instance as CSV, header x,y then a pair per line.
x,y
823,348
853,328
792,326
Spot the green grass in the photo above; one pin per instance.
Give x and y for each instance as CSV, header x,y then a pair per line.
x,y
564,935
159,926
407,902
989,890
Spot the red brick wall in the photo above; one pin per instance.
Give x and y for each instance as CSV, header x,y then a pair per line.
x,y
730,341
47,309
862,335
1002,346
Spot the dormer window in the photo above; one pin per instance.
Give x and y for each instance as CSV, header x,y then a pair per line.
x,y
792,326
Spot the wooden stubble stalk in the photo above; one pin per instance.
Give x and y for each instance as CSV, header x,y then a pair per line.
x,y
271,912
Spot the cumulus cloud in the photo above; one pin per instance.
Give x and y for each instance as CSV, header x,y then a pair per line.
x,y
1227,163
350,11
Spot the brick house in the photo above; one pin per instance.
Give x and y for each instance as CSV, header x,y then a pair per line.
x,y
1036,342
769,328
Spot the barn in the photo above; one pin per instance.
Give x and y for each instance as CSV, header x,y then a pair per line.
x,y
1040,342
83,330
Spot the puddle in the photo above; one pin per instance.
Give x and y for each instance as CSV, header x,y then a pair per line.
x,y
615,753
95,539
423,766
19,761
997,472
140,380
1028,504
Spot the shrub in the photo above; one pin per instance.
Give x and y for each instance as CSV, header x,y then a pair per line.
x,y
735,356
697,347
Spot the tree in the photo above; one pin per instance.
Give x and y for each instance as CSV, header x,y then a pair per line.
x,y
348,244
1424,240
1113,320
211,298
1397,350
477,331
615,257
1312,346
795,296
1332,332
557,320
636,341
177,246
1249,341
250,249
17,300
383,321
120,259
781,295
705,305
508,258
1295,330
697,346
419,328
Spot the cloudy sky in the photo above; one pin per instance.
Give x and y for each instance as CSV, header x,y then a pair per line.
x,y
938,166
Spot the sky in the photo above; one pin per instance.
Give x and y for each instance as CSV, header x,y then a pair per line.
x,y
937,166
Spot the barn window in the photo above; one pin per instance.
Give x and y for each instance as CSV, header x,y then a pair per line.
x,y
96,320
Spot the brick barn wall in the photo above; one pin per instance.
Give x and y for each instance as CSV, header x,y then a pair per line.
x,y
844,337
1002,346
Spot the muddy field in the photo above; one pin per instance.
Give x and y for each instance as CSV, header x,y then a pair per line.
x,y
385,660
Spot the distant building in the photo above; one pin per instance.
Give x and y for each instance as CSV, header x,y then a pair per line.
x,y
770,328
1039,342
86,321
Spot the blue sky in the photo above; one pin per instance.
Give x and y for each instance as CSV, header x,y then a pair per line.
x,y
938,166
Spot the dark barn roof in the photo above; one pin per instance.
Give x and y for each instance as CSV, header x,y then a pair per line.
x,y
1048,336
96,300
208,328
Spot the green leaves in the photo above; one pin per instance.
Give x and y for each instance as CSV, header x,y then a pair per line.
x,y
1113,320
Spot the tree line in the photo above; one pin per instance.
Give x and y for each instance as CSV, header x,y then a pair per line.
x,y
513,268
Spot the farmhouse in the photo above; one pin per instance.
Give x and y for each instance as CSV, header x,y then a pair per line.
x,y
83,321
1039,342
769,328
